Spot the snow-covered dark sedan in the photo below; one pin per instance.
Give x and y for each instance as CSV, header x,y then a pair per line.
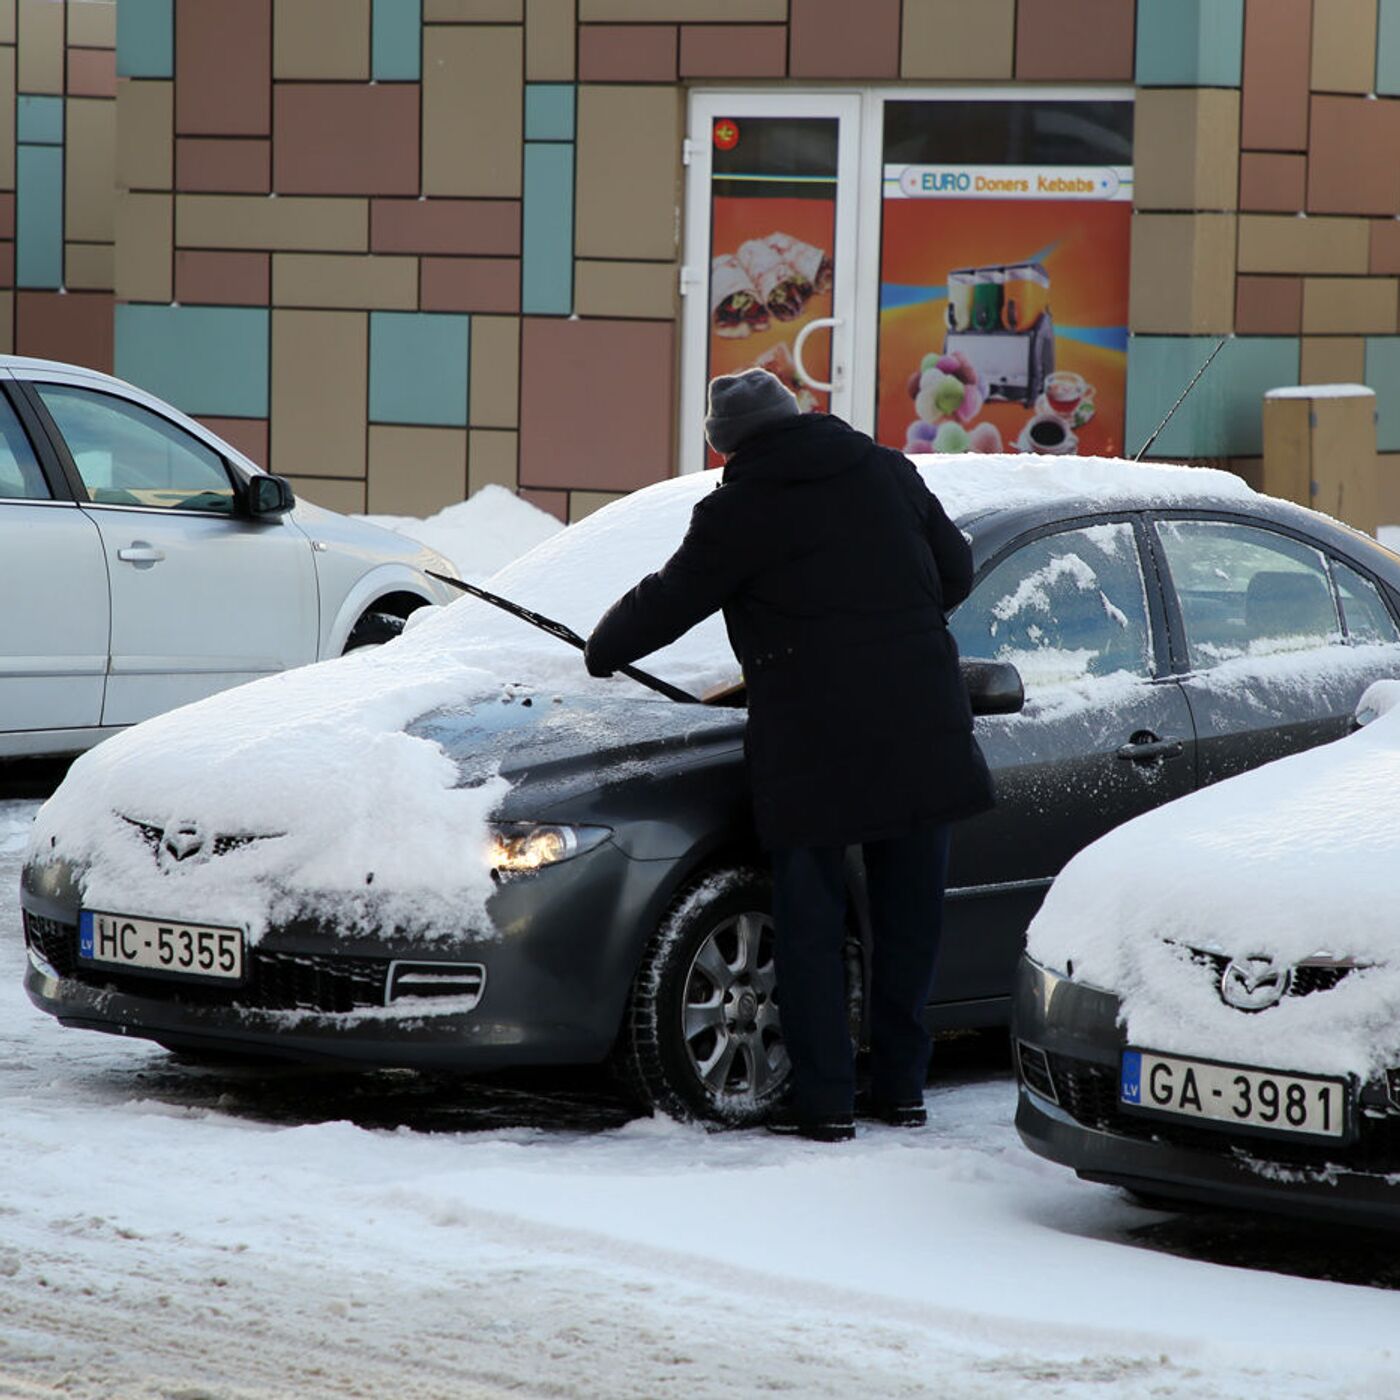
x,y
460,851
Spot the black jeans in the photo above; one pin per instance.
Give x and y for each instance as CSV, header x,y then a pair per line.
x,y
905,878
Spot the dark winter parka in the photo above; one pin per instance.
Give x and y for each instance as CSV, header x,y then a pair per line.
x,y
834,565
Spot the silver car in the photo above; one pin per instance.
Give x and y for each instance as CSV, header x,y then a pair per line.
x,y
146,563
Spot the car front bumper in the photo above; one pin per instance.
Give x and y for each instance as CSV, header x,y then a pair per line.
x,y
1068,1045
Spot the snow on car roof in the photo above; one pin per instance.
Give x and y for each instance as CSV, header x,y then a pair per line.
x,y
1290,861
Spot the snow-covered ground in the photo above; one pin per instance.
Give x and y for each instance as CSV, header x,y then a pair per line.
x,y
158,1242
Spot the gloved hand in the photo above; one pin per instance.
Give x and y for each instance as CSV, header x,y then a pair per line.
x,y
595,667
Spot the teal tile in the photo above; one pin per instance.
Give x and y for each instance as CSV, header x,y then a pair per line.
x,y
146,39
1223,415
39,216
1383,375
396,41
547,232
203,359
1388,47
418,367
39,120
1190,43
549,111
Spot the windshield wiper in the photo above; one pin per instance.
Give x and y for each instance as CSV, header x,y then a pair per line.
x,y
565,634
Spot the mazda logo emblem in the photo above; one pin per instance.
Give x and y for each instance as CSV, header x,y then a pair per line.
x,y
181,841
1254,984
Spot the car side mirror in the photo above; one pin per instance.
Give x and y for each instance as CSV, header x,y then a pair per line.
x,y
269,496
994,687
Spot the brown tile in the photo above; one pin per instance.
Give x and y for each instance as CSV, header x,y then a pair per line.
x,y
7,263
1075,39
836,39
344,138
223,55
227,279
74,326
1385,244
482,226
627,53
1273,181
617,372
226,165
471,284
92,73
1268,305
555,502
733,51
7,325
247,435
1277,60
1344,175
7,214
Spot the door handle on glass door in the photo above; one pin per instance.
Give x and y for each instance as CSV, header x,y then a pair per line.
x,y
838,370
139,552
1146,747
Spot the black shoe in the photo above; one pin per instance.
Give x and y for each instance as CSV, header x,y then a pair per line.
x,y
910,1114
836,1127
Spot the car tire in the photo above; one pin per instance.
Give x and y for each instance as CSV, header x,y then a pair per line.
x,y
701,1037
373,630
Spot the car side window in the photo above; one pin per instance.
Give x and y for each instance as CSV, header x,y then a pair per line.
x,y
20,477
1244,591
1363,609
128,456
1064,608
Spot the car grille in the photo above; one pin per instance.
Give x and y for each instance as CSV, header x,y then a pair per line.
x,y
276,981
1306,977
1088,1092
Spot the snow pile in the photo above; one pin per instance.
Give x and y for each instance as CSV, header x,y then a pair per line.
x,y
1293,860
479,535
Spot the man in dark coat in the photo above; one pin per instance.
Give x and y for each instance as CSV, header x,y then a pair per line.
x,y
835,566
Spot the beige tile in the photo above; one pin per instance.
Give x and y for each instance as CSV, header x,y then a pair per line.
x,y
89,266
472,83
320,39
549,41
319,392
41,46
1183,274
583,503
7,21
288,223
7,118
348,497
1186,148
954,39
89,158
145,134
92,24
143,257
1343,45
665,11
628,171
416,471
492,459
644,289
1349,305
1286,243
473,11
1332,359
1387,484
495,372
345,280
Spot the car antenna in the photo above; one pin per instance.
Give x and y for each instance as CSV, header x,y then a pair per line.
x,y
1218,346
565,634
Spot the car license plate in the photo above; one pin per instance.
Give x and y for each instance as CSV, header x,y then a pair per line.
x,y
161,945
1252,1098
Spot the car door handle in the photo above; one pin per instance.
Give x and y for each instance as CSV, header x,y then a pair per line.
x,y
1146,747
141,554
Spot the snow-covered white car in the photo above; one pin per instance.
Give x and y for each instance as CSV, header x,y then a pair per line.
x,y
1209,1006
145,562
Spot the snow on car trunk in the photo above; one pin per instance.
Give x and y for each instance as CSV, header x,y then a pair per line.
x,y
1292,861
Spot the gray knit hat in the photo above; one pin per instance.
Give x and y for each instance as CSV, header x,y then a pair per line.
x,y
744,404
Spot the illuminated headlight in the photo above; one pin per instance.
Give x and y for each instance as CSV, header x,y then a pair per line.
x,y
516,847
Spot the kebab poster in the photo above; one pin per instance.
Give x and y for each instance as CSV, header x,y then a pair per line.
x,y
773,218
1004,309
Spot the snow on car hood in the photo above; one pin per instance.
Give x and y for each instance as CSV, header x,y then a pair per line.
x,y
1293,860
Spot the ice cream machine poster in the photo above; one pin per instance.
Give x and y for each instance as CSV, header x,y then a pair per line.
x,y
1004,310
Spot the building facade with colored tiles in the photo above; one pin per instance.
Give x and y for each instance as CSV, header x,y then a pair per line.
x,y
399,249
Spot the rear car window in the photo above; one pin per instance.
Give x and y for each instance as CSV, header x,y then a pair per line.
x,y
1363,609
20,477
